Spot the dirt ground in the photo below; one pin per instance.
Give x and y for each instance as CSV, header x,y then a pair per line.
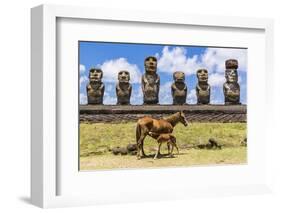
x,y
190,157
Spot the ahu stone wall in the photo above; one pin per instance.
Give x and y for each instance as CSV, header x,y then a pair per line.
x,y
194,113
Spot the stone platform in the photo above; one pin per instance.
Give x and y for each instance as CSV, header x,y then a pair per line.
x,y
194,113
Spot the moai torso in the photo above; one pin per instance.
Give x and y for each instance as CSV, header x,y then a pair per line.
x,y
203,90
179,88
95,87
123,88
150,81
231,87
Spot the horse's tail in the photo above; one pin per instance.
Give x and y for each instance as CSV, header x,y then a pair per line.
x,y
138,133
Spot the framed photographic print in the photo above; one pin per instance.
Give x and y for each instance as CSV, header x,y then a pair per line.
x,y
120,106
130,102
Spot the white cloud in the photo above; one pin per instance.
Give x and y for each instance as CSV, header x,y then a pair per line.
x,y
191,97
111,68
213,59
109,98
83,79
109,94
83,98
240,79
175,59
165,96
217,96
82,68
216,79
109,87
137,95
217,101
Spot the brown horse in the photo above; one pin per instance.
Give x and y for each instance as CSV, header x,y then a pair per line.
x,y
158,127
170,140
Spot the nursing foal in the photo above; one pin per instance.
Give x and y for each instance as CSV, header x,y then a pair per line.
x,y
166,138
157,127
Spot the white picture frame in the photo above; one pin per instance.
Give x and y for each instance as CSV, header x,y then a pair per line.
x,y
44,116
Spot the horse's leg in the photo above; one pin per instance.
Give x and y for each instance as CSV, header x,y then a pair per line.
x,y
138,150
140,145
171,154
177,148
142,150
168,146
175,144
138,136
158,150
144,134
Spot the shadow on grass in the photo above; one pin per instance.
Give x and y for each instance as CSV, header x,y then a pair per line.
x,y
163,156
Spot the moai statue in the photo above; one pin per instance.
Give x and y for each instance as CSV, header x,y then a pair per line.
x,y
179,88
231,88
150,81
203,88
95,87
123,88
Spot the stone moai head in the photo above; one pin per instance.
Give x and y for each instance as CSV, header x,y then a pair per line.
x,y
124,76
179,77
95,75
231,66
150,65
95,87
231,88
202,75
123,88
150,81
179,88
203,90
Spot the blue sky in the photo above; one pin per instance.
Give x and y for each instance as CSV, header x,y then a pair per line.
x,y
113,57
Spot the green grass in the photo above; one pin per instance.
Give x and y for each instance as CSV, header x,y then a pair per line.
x,y
96,139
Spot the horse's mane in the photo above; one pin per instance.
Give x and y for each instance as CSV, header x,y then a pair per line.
x,y
173,119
